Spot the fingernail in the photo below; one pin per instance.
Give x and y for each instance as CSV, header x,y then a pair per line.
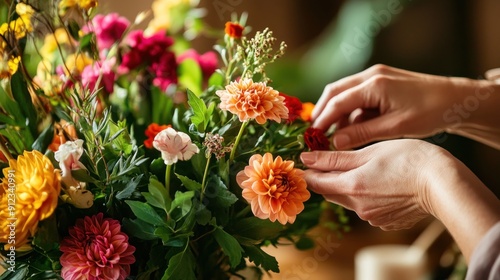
x,y
308,158
341,141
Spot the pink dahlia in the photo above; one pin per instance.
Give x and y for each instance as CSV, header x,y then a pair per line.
x,y
96,249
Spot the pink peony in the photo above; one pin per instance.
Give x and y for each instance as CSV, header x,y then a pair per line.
x,y
207,61
96,249
91,73
153,53
108,29
174,146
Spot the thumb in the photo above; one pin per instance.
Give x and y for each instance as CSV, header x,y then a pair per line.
x,y
355,135
332,160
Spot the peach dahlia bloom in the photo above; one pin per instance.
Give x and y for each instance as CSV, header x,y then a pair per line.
x,y
96,248
274,188
249,100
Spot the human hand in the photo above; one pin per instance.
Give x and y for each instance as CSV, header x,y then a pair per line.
x,y
394,184
384,102
386,183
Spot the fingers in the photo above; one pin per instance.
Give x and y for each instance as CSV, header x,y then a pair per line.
x,y
333,160
332,90
357,134
325,183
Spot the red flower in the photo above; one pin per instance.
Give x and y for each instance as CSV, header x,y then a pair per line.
x,y
234,30
96,249
294,106
316,140
151,132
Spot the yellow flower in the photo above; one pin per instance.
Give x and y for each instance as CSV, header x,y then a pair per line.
x,y
76,62
162,10
86,5
8,64
25,13
30,190
52,42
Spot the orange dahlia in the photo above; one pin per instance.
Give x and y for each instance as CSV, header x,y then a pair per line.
x,y
274,188
31,189
249,100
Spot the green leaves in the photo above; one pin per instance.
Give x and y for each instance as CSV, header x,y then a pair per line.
x,y
201,113
230,246
181,266
261,258
190,75
145,212
157,195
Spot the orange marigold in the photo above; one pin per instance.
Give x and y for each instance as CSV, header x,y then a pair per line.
x,y
234,29
274,188
251,100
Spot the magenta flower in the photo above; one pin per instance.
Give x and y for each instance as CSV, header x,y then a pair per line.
x,y
144,49
165,70
207,61
96,249
174,145
108,29
90,75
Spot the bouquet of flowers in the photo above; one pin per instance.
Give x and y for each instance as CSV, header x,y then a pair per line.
x,y
128,155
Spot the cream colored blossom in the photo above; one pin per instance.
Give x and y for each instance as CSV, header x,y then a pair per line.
x,y
174,145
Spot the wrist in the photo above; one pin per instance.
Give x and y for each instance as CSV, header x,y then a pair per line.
x,y
457,198
475,102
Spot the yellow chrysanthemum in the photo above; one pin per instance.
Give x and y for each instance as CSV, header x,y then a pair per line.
x,y
30,191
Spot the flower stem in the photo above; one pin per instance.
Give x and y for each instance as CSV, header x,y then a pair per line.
x,y
203,182
237,141
167,177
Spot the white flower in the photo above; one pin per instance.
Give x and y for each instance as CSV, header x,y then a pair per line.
x,y
174,146
68,155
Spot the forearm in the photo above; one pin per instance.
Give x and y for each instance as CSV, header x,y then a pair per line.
x,y
476,111
463,203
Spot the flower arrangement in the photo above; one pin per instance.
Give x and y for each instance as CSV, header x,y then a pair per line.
x,y
128,155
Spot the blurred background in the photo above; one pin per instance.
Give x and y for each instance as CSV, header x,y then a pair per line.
x,y
328,40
